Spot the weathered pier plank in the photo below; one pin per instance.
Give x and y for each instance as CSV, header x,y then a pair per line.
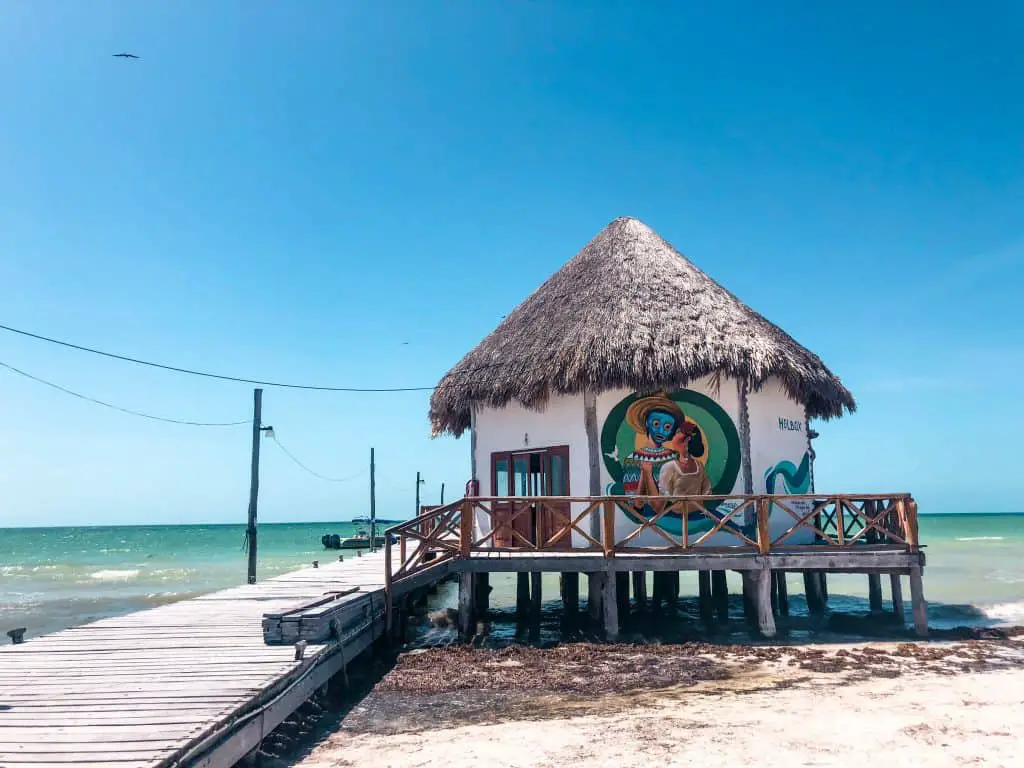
x,y
193,681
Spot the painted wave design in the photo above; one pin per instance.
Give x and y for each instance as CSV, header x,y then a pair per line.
x,y
795,479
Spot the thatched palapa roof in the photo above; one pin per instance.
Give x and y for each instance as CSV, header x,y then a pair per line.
x,y
629,311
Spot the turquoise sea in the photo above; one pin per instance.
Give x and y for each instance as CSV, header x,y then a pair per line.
x,y
52,578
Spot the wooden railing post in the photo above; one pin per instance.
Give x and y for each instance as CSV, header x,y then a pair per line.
x,y
401,548
911,523
764,536
465,528
608,528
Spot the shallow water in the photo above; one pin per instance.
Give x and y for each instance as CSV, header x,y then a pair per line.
x,y
52,578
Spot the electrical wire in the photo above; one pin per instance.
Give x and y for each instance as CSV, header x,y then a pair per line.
x,y
129,411
291,456
221,377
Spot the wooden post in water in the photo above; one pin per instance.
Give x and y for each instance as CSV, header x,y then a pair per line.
x,y
781,592
467,621
657,589
672,589
917,601
812,593
750,596
640,589
707,611
254,481
373,506
896,587
522,594
762,583
571,595
720,595
595,595
536,600
875,593
622,592
610,604
482,602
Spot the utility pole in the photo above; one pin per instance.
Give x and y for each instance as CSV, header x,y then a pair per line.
x,y
373,504
254,482
419,482
442,494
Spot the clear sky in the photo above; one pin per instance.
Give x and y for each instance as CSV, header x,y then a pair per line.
x,y
354,193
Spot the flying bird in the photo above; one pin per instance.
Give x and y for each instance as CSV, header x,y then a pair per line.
x,y
125,56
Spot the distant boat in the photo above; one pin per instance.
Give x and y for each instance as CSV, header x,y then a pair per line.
x,y
380,521
361,540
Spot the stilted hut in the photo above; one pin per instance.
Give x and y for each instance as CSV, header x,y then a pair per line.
x,y
634,407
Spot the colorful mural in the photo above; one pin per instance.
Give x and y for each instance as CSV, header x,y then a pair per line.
x,y
671,444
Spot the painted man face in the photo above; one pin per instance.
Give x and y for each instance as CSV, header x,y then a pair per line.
x,y
661,427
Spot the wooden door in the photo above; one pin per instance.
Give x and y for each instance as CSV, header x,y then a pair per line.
x,y
541,472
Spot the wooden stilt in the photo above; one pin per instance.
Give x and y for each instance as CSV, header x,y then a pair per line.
x,y
775,593
750,596
896,587
707,611
536,600
483,594
622,593
672,589
640,589
610,604
467,621
595,583
657,590
522,595
875,593
762,583
823,580
812,592
920,607
783,592
720,595
571,594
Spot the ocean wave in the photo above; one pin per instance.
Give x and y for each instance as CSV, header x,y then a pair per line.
x,y
981,538
114,575
7,570
1009,613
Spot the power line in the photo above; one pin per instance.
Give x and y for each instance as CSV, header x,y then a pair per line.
x,y
206,374
129,411
239,379
291,456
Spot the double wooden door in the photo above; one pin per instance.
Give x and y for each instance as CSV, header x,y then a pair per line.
x,y
540,472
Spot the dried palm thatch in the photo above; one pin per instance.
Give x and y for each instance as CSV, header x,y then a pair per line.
x,y
629,311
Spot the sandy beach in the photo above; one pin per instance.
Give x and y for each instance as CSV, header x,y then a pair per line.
x,y
935,704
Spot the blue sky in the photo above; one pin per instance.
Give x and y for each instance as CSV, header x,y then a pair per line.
x,y
295,190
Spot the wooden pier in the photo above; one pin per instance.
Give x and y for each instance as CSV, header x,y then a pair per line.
x,y
193,683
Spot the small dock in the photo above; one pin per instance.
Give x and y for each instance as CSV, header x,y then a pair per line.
x,y
192,683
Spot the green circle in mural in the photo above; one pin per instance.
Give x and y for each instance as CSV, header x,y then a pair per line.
x,y
684,433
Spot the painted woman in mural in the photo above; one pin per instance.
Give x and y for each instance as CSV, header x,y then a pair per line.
x,y
684,475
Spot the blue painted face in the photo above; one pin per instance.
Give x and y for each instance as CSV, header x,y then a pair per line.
x,y
661,426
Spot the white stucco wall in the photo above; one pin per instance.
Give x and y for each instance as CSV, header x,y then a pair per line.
x,y
777,434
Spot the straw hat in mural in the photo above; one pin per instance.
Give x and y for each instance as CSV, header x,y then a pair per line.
x,y
629,311
636,415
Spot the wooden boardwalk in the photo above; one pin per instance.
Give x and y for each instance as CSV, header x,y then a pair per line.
x,y
190,683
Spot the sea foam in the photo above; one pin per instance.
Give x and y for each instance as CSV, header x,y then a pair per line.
x,y
1008,613
114,575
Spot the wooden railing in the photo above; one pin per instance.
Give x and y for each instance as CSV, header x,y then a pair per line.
x,y
759,524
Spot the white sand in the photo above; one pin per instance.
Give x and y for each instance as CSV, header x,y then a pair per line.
x,y
919,719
